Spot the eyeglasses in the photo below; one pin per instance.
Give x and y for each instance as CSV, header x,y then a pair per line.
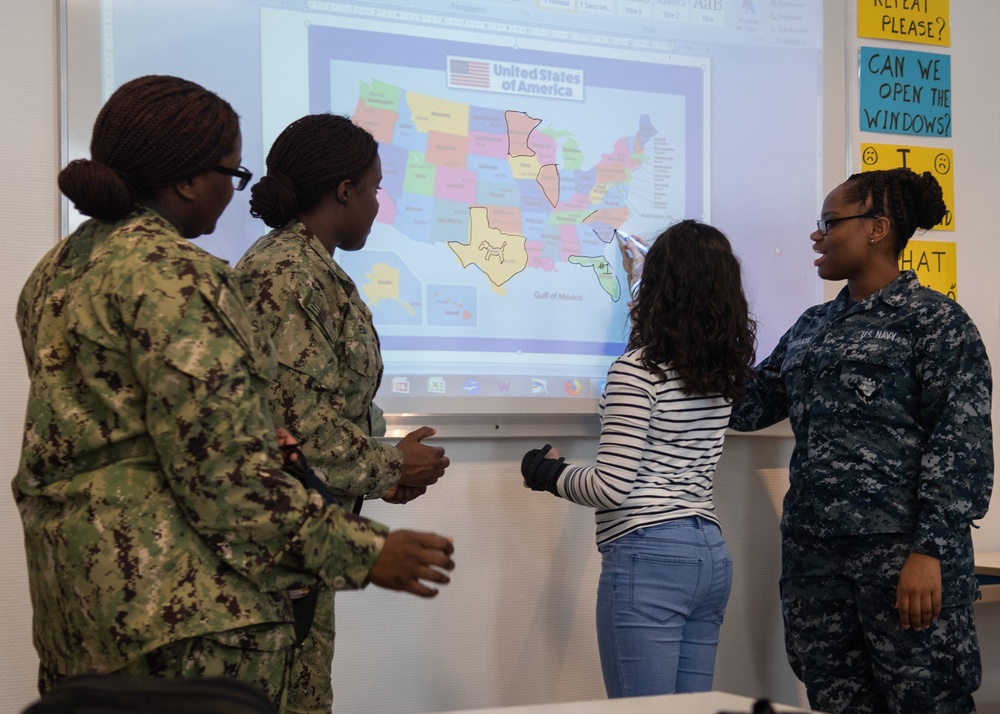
x,y
825,224
241,175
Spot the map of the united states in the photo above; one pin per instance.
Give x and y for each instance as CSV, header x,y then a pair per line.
x,y
505,192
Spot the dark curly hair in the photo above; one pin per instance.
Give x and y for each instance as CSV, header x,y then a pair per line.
x,y
154,131
909,200
691,313
312,156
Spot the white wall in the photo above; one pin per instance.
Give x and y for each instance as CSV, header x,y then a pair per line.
x,y
29,212
516,625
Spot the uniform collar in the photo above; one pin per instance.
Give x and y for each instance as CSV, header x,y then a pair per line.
x,y
315,245
895,294
145,213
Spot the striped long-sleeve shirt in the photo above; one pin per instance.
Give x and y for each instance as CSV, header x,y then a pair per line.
x,y
657,455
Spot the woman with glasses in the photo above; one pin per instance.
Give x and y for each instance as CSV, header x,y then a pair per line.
x,y
888,390
666,572
320,195
162,534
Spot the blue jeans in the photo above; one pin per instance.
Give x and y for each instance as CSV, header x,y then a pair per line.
x,y
660,602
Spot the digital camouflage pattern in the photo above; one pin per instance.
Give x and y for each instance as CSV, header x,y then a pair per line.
x,y
329,368
310,686
838,597
889,400
149,486
329,361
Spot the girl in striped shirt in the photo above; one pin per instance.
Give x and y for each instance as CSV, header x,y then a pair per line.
x,y
666,573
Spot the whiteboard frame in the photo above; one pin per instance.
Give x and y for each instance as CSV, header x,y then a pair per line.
x,y
85,91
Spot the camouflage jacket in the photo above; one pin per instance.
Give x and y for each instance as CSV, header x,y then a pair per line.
x,y
889,400
329,362
149,486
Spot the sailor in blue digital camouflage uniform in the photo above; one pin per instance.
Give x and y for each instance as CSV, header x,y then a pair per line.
x,y
888,391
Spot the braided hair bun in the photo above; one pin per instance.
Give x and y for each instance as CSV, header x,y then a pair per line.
x,y
909,200
154,131
311,157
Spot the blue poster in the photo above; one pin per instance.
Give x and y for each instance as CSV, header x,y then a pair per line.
x,y
905,92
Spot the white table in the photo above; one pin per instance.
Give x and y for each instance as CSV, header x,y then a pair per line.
x,y
700,703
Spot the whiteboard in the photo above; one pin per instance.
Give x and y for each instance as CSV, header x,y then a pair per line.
x,y
514,137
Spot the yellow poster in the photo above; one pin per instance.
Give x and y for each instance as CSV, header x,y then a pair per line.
x,y
919,159
936,265
924,21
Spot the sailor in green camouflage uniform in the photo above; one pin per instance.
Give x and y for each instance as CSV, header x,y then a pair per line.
x,y
320,194
888,390
161,534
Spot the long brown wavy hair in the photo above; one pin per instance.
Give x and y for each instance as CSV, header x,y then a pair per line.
x,y
691,313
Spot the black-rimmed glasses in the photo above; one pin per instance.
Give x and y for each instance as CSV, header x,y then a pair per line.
x,y
241,176
825,224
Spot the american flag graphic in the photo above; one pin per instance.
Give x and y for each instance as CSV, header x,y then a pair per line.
x,y
468,73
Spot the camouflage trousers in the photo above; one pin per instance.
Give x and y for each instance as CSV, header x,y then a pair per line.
x,y
310,689
844,638
200,657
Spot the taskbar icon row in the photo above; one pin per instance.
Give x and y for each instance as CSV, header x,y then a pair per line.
x,y
505,386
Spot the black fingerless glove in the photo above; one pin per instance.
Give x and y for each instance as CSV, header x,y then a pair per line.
x,y
541,473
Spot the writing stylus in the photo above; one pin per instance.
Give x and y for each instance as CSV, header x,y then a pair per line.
x,y
626,237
